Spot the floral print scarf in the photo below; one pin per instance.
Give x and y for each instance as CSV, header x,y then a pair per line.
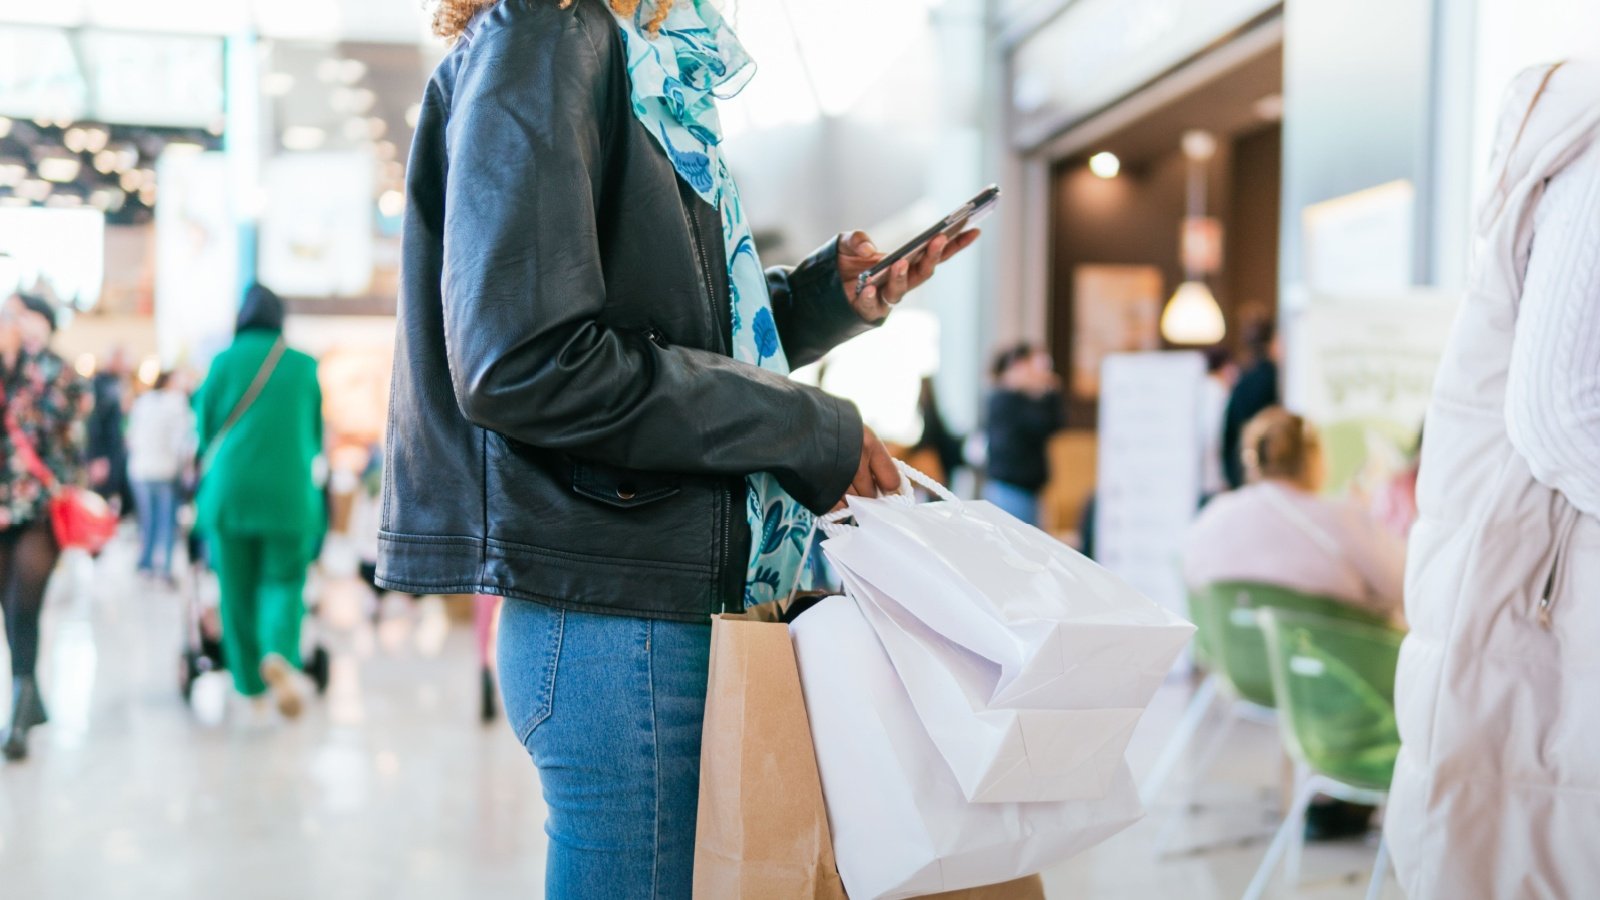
x,y
677,77
46,401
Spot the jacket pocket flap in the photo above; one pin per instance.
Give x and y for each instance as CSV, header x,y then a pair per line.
x,y
624,488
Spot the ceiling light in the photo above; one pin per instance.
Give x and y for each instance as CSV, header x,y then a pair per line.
x,y
147,194
1270,108
276,84
352,71
362,100
392,204
1192,316
60,169
385,150
85,365
217,127
64,201
1105,164
107,199
328,70
131,180
413,112
377,128
127,155
12,171
1199,145
149,370
96,138
5,126
184,148
14,202
303,137
76,140
105,162
355,129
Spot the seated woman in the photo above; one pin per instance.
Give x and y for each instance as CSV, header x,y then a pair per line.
x,y
1276,529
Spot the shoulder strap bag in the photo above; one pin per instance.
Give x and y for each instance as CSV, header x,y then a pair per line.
x,y
259,383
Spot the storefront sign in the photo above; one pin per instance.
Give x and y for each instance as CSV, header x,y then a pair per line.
x,y
1098,51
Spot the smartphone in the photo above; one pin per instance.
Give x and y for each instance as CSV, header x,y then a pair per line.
x,y
969,214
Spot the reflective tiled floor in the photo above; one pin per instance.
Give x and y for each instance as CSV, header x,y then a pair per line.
x,y
390,788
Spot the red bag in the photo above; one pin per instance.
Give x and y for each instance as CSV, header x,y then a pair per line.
x,y
80,519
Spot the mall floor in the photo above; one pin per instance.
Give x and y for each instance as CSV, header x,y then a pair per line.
x,y
391,788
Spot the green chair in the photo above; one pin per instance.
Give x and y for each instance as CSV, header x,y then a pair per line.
x,y
1229,646
1333,682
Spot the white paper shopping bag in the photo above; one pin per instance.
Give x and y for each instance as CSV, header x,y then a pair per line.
x,y
1065,633
996,754
901,824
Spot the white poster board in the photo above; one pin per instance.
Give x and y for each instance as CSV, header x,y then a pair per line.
x,y
197,258
1364,374
1149,469
317,226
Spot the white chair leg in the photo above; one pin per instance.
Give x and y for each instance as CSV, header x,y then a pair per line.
x,y
1380,871
1202,765
1294,820
1193,716
1297,841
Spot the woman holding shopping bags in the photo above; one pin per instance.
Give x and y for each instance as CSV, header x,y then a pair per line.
x,y
259,415
590,413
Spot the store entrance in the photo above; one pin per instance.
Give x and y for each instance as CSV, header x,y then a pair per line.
x,y
1176,185
1118,244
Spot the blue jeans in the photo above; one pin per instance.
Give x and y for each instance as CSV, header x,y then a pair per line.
x,y
157,502
1020,502
610,709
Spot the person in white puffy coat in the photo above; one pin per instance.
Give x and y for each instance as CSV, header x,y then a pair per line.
x,y
1497,789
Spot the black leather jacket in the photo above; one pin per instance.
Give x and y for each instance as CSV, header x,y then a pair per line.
x,y
566,424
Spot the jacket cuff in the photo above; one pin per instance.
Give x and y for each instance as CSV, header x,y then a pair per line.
x,y
820,291
845,460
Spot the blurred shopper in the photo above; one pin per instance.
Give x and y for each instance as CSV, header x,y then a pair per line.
x,y
1024,411
42,405
1222,373
1497,789
108,447
1277,530
37,321
569,428
1256,389
161,440
938,452
260,424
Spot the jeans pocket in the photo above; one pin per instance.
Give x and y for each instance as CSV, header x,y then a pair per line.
x,y
528,651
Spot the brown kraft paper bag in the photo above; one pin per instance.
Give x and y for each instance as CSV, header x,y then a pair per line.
x,y
762,832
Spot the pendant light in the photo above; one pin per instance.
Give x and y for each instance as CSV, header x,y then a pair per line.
x,y
1192,316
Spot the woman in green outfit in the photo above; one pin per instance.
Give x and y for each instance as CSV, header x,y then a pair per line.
x,y
259,414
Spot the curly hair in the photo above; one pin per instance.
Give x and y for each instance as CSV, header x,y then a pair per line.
x,y
450,17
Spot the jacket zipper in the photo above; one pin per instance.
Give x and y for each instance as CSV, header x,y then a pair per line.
x,y
1553,581
722,577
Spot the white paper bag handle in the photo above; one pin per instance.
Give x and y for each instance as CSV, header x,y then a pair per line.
x,y
832,524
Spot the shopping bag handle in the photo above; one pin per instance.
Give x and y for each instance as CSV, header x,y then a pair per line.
x,y
833,525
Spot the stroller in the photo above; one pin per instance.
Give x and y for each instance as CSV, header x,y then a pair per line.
x,y
202,630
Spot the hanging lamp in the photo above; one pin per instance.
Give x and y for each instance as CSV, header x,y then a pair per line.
x,y
1192,316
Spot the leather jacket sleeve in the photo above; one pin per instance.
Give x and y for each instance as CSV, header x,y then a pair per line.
x,y
530,352
810,307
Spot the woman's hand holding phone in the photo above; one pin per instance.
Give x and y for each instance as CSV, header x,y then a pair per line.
x,y
857,254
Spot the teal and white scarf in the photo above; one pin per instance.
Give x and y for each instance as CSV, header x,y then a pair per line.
x,y
678,75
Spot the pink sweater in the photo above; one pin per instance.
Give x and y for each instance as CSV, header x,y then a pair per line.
x,y
1274,534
